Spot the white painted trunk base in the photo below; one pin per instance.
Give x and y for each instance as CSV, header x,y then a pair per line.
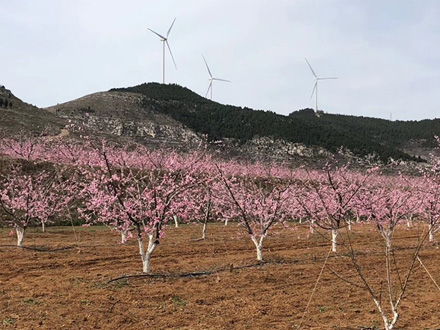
x,y
431,233
20,235
259,247
146,255
124,236
335,233
204,231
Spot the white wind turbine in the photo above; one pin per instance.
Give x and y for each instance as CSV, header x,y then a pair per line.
x,y
315,87
211,79
165,42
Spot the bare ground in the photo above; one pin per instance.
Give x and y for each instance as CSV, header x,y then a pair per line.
x,y
63,284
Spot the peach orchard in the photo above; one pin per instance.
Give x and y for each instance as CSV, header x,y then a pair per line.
x,y
140,192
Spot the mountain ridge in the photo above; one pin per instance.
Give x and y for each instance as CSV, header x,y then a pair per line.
x,y
174,116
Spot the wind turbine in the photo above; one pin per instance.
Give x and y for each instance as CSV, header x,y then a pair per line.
x,y
315,87
165,42
211,80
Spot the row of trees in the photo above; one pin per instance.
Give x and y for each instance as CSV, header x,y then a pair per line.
x,y
138,192
133,186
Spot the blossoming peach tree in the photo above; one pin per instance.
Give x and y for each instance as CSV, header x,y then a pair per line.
x,y
140,199
32,197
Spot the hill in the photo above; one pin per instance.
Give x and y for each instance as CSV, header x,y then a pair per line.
x,y
174,116
399,140
123,114
18,116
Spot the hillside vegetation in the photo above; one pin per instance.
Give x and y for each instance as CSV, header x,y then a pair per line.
x,y
157,114
361,135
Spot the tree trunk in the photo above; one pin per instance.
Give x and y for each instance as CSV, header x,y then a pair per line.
x,y
409,220
431,232
226,222
388,325
205,221
20,235
124,236
146,255
335,232
176,223
259,246
43,226
204,230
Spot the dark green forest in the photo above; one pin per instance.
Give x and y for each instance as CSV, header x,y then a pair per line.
x,y
361,135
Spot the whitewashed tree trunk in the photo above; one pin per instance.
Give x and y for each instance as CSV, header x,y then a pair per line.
x,y
176,223
311,226
300,220
43,226
20,235
409,219
146,255
389,325
259,246
388,241
226,222
431,233
124,236
349,225
204,231
335,232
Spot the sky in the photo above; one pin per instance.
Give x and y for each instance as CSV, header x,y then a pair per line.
x,y
386,54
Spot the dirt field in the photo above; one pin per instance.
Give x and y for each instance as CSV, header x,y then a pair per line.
x,y
69,289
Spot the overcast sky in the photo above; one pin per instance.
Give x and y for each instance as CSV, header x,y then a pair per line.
x,y
386,54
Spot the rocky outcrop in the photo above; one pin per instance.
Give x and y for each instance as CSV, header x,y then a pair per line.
x,y
267,148
124,115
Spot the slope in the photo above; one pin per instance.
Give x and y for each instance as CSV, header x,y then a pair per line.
x,y
361,135
17,116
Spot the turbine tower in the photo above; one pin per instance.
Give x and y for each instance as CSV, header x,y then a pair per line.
x,y
165,42
211,79
315,87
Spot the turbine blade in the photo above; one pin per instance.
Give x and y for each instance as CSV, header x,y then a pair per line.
x,y
221,79
209,87
169,48
157,34
325,78
169,30
314,89
312,69
209,71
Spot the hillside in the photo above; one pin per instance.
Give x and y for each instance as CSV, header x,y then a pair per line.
x,y
122,114
18,116
174,116
399,140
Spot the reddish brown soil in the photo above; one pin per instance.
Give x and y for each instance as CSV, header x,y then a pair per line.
x,y
68,289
